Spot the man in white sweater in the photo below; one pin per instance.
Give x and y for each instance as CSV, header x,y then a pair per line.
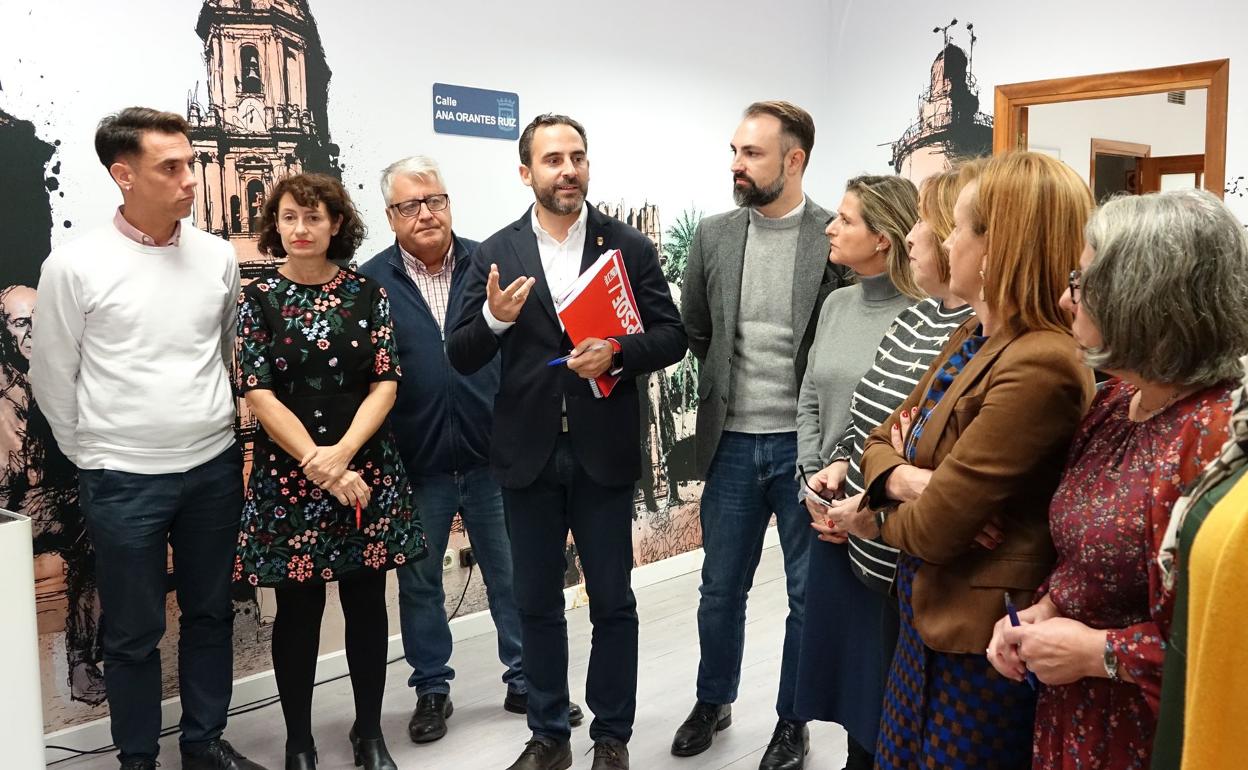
x,y
133,336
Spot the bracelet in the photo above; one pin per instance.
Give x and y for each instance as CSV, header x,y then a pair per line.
x,y
1111,661
880,516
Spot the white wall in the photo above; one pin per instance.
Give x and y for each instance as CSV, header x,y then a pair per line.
x,y
880,54
659,87
1168,129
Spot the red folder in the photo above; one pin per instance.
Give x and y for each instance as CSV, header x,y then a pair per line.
x,y
600,304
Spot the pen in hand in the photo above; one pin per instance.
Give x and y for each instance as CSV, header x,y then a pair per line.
x,y
564,359
1013,613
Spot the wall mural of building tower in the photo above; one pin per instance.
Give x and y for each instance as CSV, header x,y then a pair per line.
x,y
266,118
949,126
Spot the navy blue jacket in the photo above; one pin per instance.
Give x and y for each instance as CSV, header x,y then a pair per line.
x,y
441,418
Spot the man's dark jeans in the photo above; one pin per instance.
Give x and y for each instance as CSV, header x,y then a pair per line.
x,y
133,519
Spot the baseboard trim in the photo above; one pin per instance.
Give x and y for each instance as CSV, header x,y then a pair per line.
x,y
92,735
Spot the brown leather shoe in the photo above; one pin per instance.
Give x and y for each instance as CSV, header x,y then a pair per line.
x,y
544,754
610,754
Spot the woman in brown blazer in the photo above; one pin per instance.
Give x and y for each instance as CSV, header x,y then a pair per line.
x,y
992,420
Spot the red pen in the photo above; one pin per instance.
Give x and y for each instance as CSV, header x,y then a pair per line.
x,y
357,514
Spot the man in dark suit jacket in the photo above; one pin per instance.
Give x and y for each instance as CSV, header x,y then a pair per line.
x,y
565,459
754,285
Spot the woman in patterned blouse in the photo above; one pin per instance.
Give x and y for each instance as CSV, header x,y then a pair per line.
x,y
328,498
1159,302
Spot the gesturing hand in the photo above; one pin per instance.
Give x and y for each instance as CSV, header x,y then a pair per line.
x,y
505,304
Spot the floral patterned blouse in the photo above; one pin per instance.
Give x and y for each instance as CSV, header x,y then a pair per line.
x,y
319,348
1108,517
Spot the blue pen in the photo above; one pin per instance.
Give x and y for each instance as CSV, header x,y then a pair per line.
x,y
564,359
1013,613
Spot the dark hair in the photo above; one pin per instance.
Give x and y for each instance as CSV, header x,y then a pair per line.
x,y
796,125
122,134
309,190
547,119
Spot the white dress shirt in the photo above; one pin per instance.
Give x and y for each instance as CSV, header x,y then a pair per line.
x,y
561,262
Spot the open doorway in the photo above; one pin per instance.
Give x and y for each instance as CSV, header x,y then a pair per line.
x,y
1195,156
1115,167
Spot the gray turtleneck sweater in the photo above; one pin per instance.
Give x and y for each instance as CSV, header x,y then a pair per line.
x,y
851,324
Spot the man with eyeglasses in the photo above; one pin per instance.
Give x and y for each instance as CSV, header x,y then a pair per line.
x,y
441,420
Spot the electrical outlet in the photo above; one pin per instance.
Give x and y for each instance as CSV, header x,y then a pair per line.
x,y
449,559
466,557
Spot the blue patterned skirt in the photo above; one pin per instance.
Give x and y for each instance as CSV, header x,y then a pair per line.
x,y
945,710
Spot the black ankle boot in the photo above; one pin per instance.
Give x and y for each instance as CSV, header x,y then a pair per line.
x,y
371,753
304,760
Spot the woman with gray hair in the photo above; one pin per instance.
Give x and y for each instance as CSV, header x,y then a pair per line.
x,y
1159,302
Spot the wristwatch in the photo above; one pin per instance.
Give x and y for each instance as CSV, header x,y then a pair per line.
x,y
1111,661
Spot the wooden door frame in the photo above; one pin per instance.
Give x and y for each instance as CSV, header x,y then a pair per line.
x,y
1151,173
1113,147
1009,129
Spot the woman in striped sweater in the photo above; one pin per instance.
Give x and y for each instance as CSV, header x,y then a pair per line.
x,y
851,625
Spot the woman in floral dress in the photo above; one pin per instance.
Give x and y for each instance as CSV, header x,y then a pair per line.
x,y
328,499
1159,303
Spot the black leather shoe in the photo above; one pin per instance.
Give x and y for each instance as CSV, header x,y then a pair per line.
x,y
518,703
610,754
694,736
304,760
790,744
544,754
138,763
428,722
371,753
217,755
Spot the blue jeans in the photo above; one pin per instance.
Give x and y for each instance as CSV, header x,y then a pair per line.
x,y
422,603
133,519
751,476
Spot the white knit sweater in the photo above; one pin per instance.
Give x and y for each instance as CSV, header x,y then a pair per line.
x,y
130,350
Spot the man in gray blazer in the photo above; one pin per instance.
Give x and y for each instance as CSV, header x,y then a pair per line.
x,y
754,284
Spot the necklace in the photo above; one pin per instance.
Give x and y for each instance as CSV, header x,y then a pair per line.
x,y
1148,413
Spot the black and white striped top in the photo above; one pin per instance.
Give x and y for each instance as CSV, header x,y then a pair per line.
x,y
907,349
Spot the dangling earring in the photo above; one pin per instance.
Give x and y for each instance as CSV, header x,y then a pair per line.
x,y
981,284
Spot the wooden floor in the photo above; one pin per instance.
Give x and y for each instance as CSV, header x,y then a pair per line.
x,y
483,736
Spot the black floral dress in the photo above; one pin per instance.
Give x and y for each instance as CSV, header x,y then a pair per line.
x,y
318,348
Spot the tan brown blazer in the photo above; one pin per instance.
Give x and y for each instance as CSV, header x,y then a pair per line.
x,y
997,443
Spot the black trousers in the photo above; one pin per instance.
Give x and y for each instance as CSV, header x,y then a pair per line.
x,y
297,639
600,518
